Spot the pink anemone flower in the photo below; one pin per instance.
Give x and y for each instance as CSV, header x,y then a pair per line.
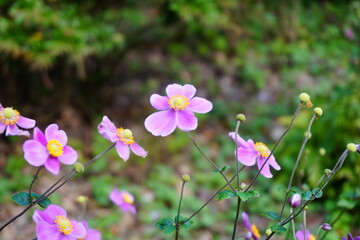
x,y
91,234
122,137
301,235
11,120
253,232
53,224
177,110
49,149
248,152
124,200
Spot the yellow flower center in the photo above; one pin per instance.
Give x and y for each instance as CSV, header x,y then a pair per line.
x,y
125,136
55,148
64,225
262,149
312,237
9,116
255,231
178,102
127,198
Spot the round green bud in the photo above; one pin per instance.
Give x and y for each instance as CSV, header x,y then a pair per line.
x,y
327,172
322,151
268,231
304,97
308,134
82,199
318,111
351,147
243,186
79,167
241,117
306,208
185,177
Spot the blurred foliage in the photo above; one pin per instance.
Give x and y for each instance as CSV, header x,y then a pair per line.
x,y
71,61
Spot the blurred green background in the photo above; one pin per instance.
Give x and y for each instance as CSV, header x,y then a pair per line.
x,y
71,62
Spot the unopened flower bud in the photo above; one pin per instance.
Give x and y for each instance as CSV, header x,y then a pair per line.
x,y
318,111
358,148
268,231
308,134
306,208
322,151
82,199
295,200
243,186
304,97
326,227
79,167
351,147
327,172
185,177
241,117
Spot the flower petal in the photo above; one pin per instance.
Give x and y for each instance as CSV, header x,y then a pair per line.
x,y
107,129
159,102
174,89
240,141
35,153
2,128
52,165
245,221
54,211
200,105
128,208
53,132
78,231
188,90
266,169
247,156
42,216
69,156
39,136
116,197
273,163
161,123
46,231
13,130
123,150
186,120
138,150
25,122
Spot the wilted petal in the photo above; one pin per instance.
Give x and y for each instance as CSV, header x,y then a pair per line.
x,y
138,150
200,105
107,129
25,122
52,165
247,156
159,102
161,123
123,150
35,153
186,120
69,156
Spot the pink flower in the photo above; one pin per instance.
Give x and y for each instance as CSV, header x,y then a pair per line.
x,y
248,153
177,110
49,149
253,232
10,120
91,234
53,224
123,138
124,200
300,234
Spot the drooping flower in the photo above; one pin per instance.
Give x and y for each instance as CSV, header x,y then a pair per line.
x,y
49,149
249,152
176,110
122,137
300,235
124,200
91,234
11,120
53,224
350,237
253,232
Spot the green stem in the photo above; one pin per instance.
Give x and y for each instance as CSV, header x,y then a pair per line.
x,y
178,224
35,177
236,218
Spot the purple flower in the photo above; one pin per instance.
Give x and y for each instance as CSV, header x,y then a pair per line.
x,y
295,200
253,232
177,110
350,237
349,34
53,224
124,200
49,149
10,120
91,234
300,234
248,153
123,138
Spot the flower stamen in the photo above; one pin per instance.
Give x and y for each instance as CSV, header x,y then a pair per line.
x,y
312,237
262,149
255,231
178,102
55,148
125,136
64,224
127,198
9,116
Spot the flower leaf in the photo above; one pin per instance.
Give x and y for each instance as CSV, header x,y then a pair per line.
x,y
272,215
21,198
223,169
248,195
278,228
225,194
318,192
306,195
166,224
43,203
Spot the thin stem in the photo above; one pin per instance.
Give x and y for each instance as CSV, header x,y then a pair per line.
x,y
333,222
293,224
236,155
35,177
236,218
304,222
178,213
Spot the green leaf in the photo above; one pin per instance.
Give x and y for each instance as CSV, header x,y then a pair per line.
x,y
21,198
166,224
223,169
225,194
278,228
248,195
346,203
319,194
43,203
306,195
185,225
272,215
